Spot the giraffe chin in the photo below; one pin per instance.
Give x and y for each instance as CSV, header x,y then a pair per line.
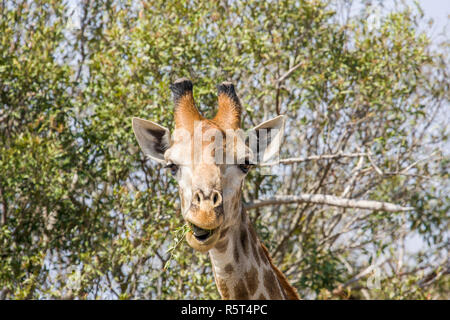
x,y
203,245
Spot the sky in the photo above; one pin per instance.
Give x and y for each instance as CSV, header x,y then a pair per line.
x,y
439,10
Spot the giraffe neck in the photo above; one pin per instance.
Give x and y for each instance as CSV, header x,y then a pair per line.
x,y
242,266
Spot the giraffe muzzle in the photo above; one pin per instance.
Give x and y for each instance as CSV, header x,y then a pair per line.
x,y
203,237
205,217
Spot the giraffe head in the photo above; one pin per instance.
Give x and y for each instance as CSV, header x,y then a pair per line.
x,y
209,158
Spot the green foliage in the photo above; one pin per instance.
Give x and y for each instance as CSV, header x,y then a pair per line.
x,y
85,215
180,234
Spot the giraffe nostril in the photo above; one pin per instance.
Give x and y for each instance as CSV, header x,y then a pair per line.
x,y
197,198
216,198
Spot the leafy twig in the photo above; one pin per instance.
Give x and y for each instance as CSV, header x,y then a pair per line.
x,y
180,234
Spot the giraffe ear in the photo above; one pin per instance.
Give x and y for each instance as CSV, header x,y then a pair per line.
x,y
153,139
269,136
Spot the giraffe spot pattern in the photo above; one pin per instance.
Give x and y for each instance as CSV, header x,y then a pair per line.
x,y
229,268
240,291
262,297
254,241
253,234
244,241
221,246
252,280
223,289
262,256
236,253
243,215
269,284
223,233
255,254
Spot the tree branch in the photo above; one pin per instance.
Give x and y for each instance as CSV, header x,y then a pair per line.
x,y
317,157
327,200
289,72
280,80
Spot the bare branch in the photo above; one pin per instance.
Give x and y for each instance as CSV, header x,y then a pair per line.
x,y
288,73
418,161
363,273
352,180
317,157
327,200
280,80
378,170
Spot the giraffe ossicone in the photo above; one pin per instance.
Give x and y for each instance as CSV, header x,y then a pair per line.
x,y
210,159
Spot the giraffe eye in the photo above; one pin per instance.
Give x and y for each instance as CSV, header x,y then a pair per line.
x,y
245,167
173,168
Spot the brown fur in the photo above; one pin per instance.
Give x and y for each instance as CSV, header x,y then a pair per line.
x,y
270,285
229,113
221,246
243,213
223,289
252,280
262,256
255,253
185,112
229,268
254,241
236,253
240,291
244,241
252,233
223,233
290,291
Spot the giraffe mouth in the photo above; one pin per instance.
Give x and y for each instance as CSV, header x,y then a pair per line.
x,y
201,234
204,230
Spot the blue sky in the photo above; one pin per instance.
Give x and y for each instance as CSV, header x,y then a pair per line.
x,y
439,10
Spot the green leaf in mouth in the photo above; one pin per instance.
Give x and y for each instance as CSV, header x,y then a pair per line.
x,y
180,234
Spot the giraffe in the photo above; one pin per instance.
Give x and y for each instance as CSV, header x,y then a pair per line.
x,y
211,191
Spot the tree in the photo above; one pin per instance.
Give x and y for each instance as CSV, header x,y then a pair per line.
x,y
85,215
